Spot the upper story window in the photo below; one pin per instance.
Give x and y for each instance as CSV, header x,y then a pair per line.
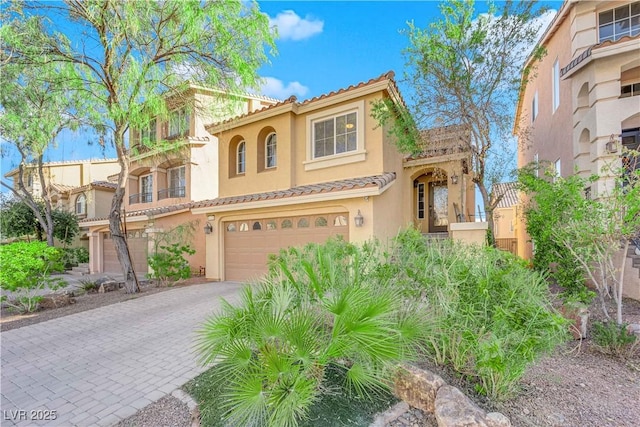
x,y
177,181
336,135
179,121
622,21
241,158
81,204
271,149
556,85
146,189
630,90
29,180
534,107
148,133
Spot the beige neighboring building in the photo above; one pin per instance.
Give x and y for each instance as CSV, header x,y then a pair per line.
x,y
286,173
582,103
505,216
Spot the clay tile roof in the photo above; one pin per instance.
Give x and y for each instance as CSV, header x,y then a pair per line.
x,y
509,193
60,188
150,211
379,181
389,75
587,53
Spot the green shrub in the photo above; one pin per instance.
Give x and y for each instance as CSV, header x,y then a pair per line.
x,y
25,272
321,306
88,285
489,316
169,264
613,339
71,257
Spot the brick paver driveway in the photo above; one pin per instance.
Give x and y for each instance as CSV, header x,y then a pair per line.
x,y
100,366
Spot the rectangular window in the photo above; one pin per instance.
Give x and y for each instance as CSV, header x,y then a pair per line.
x,y
630,90
146,189
534,107
335,135
556,85
148,133
557,169
536,164
420,200
177,182
616,23
179,122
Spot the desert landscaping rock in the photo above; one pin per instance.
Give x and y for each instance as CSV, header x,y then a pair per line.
x,y
454,409
417,387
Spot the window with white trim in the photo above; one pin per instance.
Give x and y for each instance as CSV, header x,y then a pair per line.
x,y
179,122
271,150
556,85
616,23
536,164
146,189
557,166
177,181
148,133
534,107
81,204
241,158
335,135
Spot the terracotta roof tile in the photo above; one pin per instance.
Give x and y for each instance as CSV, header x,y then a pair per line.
x,y
587,53
509,193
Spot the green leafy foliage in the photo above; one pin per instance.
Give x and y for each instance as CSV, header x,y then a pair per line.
x,y
169,263
71,257
614,340
25,272
320,306
489,316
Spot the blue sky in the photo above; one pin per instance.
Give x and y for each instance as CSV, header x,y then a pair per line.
x,y
323,46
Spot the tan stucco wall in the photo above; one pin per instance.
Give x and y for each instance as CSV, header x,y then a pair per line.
x,y
505,223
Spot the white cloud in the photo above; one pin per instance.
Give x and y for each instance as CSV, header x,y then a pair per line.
x,y
277,89
292,27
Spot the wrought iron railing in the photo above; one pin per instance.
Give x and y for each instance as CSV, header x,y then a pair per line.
x,y
169,193
140,198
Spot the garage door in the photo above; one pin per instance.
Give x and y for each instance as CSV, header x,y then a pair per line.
x,y
137,247
248,243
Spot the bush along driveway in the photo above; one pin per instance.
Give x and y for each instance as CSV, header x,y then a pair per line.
x,y
100,366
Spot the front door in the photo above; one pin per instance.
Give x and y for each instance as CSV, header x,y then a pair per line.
x,y
438,207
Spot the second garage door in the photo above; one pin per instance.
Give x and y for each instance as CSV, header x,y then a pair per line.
x,y
137,247
248,243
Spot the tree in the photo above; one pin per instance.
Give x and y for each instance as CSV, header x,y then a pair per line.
x,y
127,57
36,106
17,219
465,70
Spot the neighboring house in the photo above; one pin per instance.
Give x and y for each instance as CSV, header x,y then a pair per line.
x,y
505,217
287,173
78,186
582,103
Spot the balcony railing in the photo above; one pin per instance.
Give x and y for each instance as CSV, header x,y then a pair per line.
x,y
140,198
169,193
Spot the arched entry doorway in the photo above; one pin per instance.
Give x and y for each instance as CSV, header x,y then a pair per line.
x,y
431,201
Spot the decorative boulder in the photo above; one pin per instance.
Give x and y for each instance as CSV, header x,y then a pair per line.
x,y
454,409
56,300
107,284
417,387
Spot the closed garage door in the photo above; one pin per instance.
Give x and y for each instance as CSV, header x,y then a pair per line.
x,y
137,247
248,243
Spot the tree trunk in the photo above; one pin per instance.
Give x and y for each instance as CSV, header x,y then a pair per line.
x,y
115,216
48,218
488,211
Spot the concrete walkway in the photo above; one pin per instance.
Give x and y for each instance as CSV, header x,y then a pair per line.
x,y
100,366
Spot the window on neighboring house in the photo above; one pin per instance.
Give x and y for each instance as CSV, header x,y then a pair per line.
x,y
557,167
81,204
335,135
622,21
630,139
630,90
177,181
534,107
146,189
556,85
179,121
271,149
148,133
536,164
29,180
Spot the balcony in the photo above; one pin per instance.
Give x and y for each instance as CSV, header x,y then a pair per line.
x,y
140,198
170,193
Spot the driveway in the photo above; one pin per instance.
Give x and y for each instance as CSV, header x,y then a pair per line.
x,y
100,366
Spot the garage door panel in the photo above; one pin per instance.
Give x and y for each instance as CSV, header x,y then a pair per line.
x,y
138,246
247,249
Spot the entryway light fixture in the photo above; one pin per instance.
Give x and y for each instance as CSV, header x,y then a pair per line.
x,y
612,145
208,228
454,179
358,219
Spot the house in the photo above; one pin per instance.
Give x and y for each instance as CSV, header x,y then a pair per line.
x,y
284,173
79,186
505,216
582,104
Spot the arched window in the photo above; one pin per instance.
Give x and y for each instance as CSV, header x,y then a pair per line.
x,y
81,204
321,221
303,223
270,150
241,158
257,226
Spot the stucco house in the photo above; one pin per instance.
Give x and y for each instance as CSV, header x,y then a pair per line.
x,y
282,173
582,104
505,216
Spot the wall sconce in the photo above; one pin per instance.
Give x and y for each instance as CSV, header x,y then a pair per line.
x,y
358,219
612,145
208,228
454,179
